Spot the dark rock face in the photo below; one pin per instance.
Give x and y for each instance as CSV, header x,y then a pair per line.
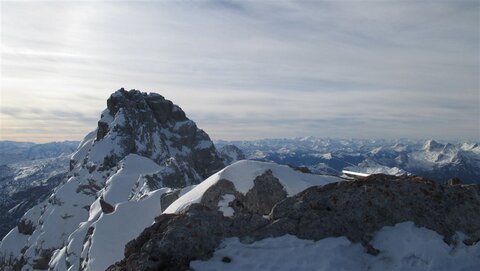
x,y
356,209
26,227
266,192
360,208
168,198
230,154
302,169
89,189
106,207
102,130
178,174
42,262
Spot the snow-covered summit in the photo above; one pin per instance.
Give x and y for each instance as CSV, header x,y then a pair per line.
x,y
432,145
150,126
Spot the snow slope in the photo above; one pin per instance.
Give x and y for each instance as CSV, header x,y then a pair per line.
x,y
371,167
402,247
111,233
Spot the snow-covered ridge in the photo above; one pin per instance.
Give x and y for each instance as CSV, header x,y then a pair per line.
x,y
242,175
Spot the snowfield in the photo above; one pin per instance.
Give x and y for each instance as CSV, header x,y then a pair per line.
x,y
113,231
402,247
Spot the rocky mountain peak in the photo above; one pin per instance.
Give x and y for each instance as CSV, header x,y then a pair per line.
x,y
144,146
163,110
149,125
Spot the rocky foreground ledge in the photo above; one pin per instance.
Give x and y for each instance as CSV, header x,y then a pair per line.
x,y
355,209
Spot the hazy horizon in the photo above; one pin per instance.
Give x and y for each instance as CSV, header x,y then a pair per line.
x,y
246,70
440,140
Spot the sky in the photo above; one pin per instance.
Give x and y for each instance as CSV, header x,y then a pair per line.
x,y
246,70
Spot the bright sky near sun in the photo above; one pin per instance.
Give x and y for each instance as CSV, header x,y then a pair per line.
x,y
249,69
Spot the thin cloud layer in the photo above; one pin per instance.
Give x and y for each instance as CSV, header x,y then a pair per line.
x,y
247,70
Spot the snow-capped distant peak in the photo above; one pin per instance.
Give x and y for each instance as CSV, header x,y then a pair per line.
x,y
432,146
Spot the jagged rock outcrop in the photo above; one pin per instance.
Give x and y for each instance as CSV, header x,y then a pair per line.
x,y
355,209
143,146
265,193
358,209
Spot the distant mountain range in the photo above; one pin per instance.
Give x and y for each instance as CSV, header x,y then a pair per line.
x,y
28,174
12,151
427,158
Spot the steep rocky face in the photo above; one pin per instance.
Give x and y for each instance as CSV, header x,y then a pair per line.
x,y
355,209
153,127
230,154
143,146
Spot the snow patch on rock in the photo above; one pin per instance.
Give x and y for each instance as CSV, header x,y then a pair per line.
x,y
223,205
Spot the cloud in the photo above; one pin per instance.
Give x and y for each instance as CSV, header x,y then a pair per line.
x,y
252,68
